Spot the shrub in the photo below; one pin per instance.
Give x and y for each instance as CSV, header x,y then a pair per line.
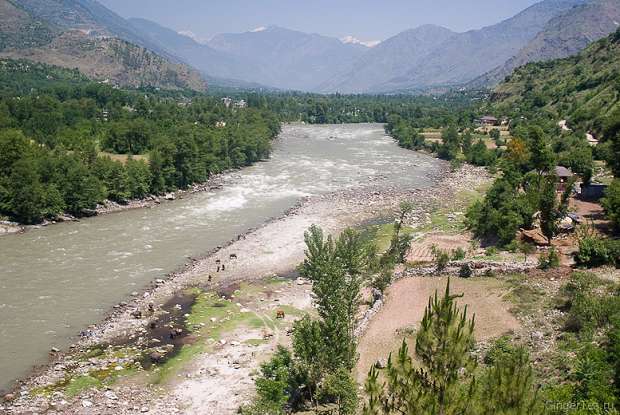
x,y
466,271
458,254
382,280
611,203
549,260
442,258
596,252
341,388
500,349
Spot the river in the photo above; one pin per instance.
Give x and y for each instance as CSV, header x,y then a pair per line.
x,y
57,280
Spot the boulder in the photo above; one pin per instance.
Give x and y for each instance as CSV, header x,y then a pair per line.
x,y
156,357
89,212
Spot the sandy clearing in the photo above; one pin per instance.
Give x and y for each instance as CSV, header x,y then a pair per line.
x,y
404,308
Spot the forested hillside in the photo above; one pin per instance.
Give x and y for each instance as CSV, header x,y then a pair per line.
x,y
55,139
584,89
565,35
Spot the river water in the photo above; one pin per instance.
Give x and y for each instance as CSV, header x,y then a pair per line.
x,y
57,280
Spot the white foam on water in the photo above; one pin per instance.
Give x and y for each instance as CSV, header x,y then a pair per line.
x,y
227,202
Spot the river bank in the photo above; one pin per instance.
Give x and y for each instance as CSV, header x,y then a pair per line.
x,y
275,248
107,207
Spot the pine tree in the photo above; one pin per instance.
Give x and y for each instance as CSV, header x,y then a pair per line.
x,y
443,384
508,387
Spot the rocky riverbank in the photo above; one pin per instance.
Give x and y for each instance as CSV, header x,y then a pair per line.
x,y
273,249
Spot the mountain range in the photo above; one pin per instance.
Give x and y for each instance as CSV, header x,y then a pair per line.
x,y
86,35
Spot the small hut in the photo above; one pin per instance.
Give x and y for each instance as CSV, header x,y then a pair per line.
x,y
488,121
565,175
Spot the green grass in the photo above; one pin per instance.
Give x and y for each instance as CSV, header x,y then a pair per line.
x,y
228,318
95,379
525,297
440,221
381,235
81,384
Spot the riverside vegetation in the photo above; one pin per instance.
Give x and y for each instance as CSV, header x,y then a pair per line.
x,y
444,375
58,143
68,144
444,372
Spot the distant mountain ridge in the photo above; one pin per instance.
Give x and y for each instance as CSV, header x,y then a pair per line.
x,y
222,68
563,36
387,60
462,56
287,58
85,35
88,15
426,58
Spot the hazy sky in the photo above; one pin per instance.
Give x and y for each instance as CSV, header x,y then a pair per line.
x,y
364,19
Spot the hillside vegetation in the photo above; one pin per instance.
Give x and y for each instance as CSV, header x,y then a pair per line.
x,y
19,30
61,139
113,60
584,89
40,38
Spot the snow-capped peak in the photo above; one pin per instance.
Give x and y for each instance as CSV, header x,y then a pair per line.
x,y
352,40
193,36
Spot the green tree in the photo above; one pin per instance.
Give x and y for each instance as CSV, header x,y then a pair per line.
x,y
337,270
450,147
508,386
611,203
138,178
14,146
29,201
541,156
495,134
442,384
80,189
548,207
526,249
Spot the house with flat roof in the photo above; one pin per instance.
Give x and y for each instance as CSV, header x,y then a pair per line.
x,y
488,121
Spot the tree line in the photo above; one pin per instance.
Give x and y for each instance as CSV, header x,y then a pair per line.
x,y
58,144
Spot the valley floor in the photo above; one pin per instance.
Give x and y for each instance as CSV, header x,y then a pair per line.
x,y
201,334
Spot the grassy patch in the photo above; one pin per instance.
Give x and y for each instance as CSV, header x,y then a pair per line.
x,y
381,235
81,384
451,219
124,157
96,379
525,297
211,317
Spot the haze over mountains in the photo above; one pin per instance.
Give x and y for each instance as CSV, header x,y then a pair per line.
x,y
425,57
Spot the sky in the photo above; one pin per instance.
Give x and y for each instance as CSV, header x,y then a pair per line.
x,y
363,19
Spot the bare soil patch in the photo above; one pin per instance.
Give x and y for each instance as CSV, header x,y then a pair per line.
x,y
404,308
421,250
